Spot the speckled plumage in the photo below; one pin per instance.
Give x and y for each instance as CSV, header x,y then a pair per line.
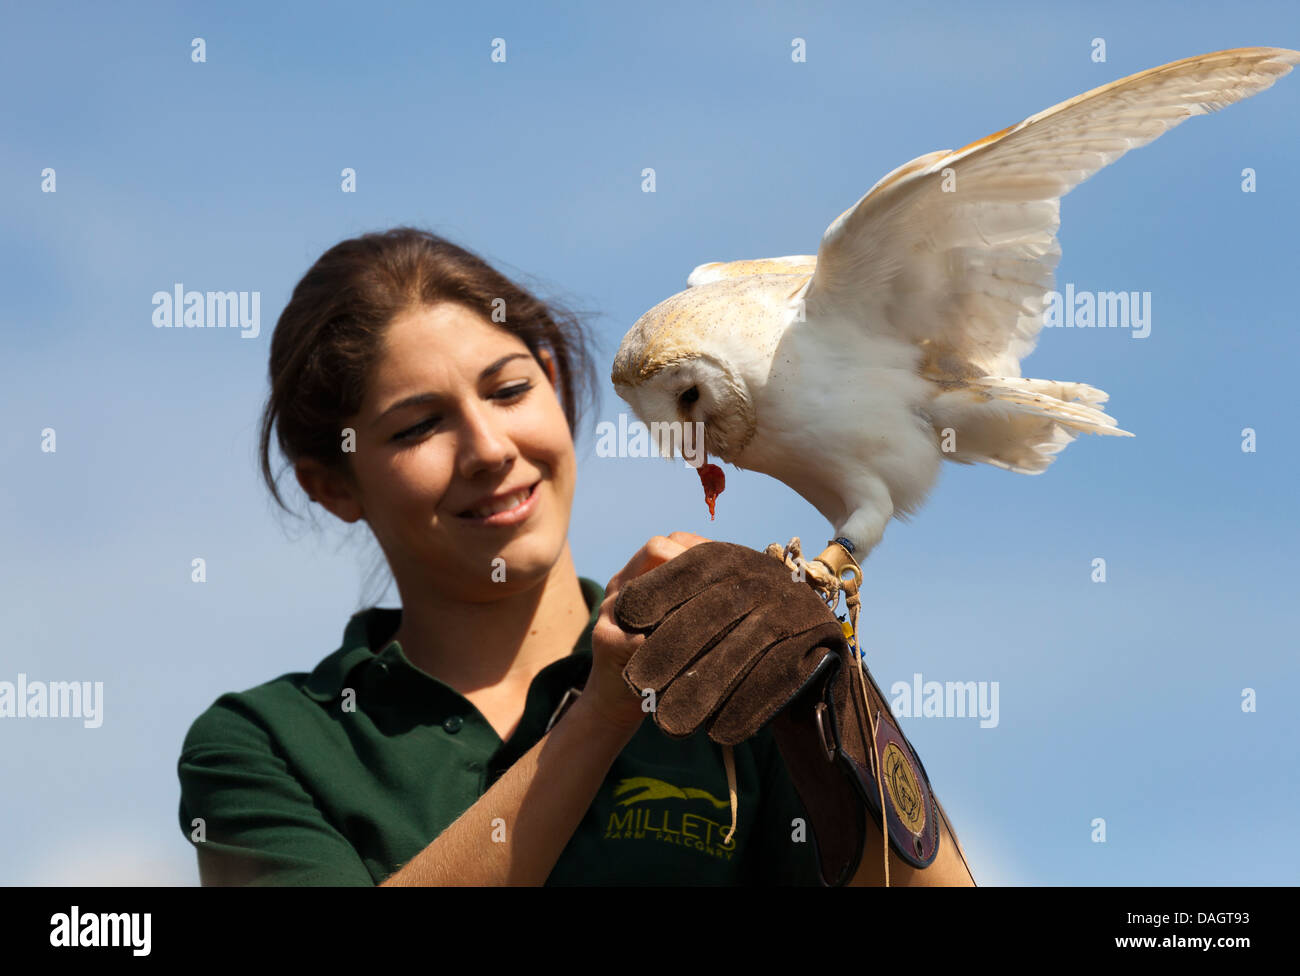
x,y
850,374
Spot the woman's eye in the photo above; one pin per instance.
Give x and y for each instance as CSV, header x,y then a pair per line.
x,y
419,428
510,392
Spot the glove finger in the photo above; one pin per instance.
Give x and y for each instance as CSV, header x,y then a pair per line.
x,y
643,602
776,679
686,633
695,694
704,687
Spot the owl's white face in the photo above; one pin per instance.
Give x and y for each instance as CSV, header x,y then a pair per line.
x,y
695,389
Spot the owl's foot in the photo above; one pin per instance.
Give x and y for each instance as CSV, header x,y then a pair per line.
x,y
822,573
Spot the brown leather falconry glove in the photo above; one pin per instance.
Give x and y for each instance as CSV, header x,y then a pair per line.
x,y
732,642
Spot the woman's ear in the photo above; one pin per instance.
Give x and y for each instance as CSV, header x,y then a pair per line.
x,y
329,489
548,364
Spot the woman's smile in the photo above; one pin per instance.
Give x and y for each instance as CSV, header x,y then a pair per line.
x,y
505,509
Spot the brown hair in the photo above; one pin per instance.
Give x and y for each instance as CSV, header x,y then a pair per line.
x,y
330,333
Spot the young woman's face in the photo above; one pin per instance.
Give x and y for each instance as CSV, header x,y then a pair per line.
x,y
457,411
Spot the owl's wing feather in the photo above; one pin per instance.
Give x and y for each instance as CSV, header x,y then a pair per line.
x,y
964,273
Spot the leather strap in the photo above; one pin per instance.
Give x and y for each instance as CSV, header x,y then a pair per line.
x,y
839,785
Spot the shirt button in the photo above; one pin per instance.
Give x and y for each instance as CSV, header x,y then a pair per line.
x,y
382,666
452,724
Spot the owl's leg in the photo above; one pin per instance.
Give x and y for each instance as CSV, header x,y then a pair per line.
x,y
871,512
863,530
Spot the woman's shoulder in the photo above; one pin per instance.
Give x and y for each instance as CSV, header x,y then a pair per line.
x,y
249,715
288,699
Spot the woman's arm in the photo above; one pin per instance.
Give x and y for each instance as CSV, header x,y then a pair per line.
x,y
541,799
949,866
517,830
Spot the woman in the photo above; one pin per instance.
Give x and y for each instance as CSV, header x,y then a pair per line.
x,y
483,733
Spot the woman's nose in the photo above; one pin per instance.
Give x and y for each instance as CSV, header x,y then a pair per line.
x,y
484,445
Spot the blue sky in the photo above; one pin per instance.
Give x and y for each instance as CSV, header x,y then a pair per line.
x,y
1118,700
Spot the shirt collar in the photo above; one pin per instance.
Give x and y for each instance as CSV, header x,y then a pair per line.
x,y
375,626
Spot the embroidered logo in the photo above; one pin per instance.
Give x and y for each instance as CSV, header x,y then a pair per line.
x,y
640,821
656,789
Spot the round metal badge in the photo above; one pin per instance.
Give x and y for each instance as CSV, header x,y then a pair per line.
x,y
904,789
912,823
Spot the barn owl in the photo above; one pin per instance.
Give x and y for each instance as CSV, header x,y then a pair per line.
x,y
851,375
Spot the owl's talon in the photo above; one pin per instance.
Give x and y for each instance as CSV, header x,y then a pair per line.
x,y
817,574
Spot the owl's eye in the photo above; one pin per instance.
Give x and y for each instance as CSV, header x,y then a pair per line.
x,y
690,396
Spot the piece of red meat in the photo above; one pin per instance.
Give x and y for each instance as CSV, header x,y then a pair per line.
x,y
714,482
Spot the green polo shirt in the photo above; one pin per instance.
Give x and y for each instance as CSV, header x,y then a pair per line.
x,y
341,776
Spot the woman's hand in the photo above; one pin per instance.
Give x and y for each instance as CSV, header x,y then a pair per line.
x,y
607,694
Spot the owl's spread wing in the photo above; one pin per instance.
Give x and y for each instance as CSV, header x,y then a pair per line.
x,y
963,271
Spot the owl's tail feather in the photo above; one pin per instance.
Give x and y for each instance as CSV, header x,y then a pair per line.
x,y
1015,423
